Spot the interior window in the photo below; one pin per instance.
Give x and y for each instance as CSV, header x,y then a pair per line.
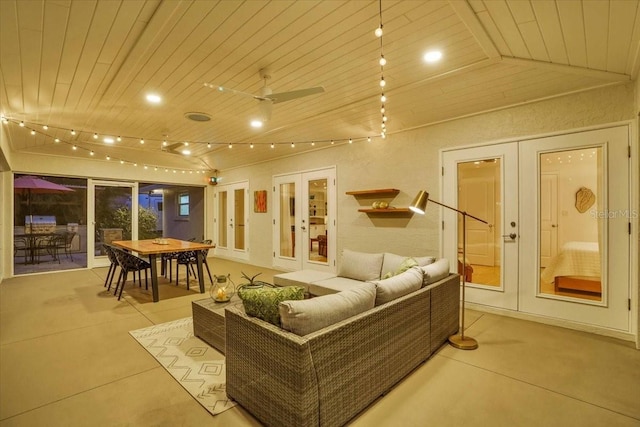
x,y
183,204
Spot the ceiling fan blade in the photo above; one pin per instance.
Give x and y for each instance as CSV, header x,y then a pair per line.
x,y
294,94
232,91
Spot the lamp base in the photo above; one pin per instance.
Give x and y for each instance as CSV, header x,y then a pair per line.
x,y
463,343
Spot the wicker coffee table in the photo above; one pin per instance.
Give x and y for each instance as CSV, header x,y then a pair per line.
x,y
208,321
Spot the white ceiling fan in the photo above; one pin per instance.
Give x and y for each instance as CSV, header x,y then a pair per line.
x,y
266,97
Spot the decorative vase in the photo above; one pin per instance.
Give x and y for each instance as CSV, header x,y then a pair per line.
x,y
222,289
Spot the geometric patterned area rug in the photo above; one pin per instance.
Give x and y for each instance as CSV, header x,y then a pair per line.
x,y
198,368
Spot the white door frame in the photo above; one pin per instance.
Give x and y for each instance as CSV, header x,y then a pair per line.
x,y
230,250
300,258
612,310
103,261
634,196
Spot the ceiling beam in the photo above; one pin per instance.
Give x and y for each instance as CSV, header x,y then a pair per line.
x,y
471,21
570,69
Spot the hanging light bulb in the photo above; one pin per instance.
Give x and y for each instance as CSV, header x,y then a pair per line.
x,y
384,118
75,147
33,132
56,140
45,127
165,143
91,153
118,139
141,141
21,124
382,82
293,145
383,98
350,141
230,146
273,145
378,31
95,136
368,139
73,132
383,61
251,145
208,145
382,110
108,157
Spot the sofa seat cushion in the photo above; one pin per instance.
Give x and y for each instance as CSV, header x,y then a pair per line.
x,y
332,285
301,278
307,316
398,285
263,303
360,266
435,271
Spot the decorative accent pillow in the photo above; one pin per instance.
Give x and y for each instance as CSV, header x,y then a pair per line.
x,y
435,271
424,260
398,285
306,316
360,265
263,303
404,266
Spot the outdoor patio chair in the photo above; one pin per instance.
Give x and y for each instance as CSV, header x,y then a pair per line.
x,y
188,259
129,262
111,254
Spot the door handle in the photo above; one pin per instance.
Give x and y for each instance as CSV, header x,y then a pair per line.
x,y
553,225
303,228
512,236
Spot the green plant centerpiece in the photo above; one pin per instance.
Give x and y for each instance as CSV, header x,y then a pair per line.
x,y
251,283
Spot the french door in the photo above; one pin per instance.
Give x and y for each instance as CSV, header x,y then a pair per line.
x,y
112,213
304,220
483,182
232,220
557,244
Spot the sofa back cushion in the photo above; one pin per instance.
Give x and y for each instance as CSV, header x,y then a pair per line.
x,y
263,303
360,265
306,316
435,271
398,285
395,264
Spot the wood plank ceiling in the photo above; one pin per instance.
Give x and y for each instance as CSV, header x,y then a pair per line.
x,y
87,65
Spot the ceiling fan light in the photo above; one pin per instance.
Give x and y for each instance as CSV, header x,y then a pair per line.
x,y
432,56
256,124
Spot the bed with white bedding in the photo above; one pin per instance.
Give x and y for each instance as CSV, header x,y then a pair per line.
x,y
575,259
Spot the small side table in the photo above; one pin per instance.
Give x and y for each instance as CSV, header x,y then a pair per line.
x,y
208,321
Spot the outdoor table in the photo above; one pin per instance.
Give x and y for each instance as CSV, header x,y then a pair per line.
x,y
32,243
153,247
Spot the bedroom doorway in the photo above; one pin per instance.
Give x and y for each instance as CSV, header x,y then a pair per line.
x,y
558,238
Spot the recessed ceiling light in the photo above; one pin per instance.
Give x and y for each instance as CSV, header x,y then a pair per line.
x,y
186,152
108,140
256,124
432,56
154,98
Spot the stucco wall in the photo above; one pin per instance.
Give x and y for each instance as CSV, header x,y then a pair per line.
x,y
410,161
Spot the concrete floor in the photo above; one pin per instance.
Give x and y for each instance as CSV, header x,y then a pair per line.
x,y
66,359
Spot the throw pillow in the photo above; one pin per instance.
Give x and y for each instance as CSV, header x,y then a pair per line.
x,y
263,303
398,285
307,316
360,265
406,264
424,260
435,271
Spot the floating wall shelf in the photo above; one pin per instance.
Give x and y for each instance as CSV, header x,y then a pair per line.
x,y
380,192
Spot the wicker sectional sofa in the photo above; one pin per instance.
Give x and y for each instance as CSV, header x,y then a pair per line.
x,y
327,377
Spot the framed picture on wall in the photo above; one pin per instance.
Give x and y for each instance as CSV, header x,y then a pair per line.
x,y
260,201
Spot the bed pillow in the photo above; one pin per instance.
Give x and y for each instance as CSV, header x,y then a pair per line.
x,y
263,303
307,316
435,271
398,285
360,265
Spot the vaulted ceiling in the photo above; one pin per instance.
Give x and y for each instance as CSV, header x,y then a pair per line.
x,y
88,65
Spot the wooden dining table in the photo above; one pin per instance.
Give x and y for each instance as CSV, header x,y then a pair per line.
x,y
154,247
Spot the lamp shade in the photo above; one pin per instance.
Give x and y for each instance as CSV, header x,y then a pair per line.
x,y
419,204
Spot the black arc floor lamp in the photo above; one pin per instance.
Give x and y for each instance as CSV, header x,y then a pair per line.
x,y
419,205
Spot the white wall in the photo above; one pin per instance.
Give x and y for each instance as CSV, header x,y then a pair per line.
x,y
410,161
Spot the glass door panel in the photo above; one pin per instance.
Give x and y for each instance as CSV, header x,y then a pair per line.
x,y
570,232
287,219
239,214
480,194
317,219
222,220
114,207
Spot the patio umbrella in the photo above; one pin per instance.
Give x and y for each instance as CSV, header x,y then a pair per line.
x,y
32,184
